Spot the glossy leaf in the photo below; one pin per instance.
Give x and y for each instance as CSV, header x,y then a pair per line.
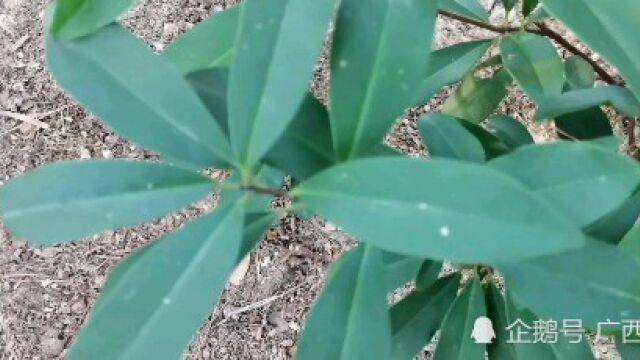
x,y
144,314
588,124
579,73
117,77
528,6
417,317
534,64
399,269
631,241
305,148
456,336
581,289
610,143
509,4
211,86
512,133
612,227
500,347
467,8
379,57
70,200
554,347
445,137
428,274
208,45
350,319
278,45
576,100
450,65
441,207
492,145
256,225
76,18
476,99
629,351
563,172
608,28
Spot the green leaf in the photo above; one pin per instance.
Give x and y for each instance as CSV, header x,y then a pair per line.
x,y
610,143
157,299
509,4
629,351
379,57
612,227
305,148
209,44
608,27
76,18
581,282
528,6
70,200
579,73
588,124
492,145
512,133
506,318
445,137
563,172
448,66
428,274
256,225
534,64
417,317
558,348
630,244
278,45
115,76
399,269
467,8
350,319
476,99
499,348
455,340
438,206
211,86
618,97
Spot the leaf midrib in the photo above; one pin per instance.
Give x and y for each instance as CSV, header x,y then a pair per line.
x,y
160,111
91,201
207,244
373,84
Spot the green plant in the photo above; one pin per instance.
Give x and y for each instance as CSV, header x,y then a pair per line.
x,y
555,220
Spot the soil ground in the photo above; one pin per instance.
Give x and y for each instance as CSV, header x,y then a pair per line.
x,y
45,293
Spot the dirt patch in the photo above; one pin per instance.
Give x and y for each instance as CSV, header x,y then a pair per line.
x,y
45,293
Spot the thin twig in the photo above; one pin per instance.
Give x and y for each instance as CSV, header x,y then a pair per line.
x,y
550,33
263,190
543,30
490,27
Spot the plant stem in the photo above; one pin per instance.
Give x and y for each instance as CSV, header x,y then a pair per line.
x,y
548,32
263,190
543,30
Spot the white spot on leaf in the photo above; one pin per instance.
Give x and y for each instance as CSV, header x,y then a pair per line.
x,y
445,231
343,63
423,206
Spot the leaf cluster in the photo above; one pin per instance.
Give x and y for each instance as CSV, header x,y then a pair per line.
x,y
554,221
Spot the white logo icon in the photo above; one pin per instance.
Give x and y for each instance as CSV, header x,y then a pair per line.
x,y
483,331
